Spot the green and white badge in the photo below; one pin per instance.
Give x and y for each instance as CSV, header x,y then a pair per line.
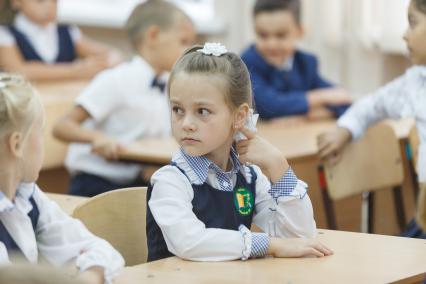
x,y
243,200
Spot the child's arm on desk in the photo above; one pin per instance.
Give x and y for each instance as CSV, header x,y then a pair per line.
x,y
87,48
12,61
69,129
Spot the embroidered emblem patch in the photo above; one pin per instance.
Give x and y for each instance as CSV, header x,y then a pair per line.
x,y
243,200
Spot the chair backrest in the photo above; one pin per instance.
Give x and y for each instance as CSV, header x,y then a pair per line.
x,y
414,141
370,163
119,216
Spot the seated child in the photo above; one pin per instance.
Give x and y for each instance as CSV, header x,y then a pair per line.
x,y
126,103
403,97
34,44
286,80
32,226
201,206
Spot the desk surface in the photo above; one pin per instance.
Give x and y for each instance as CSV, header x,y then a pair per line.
x,y
67,202
358,258
295,137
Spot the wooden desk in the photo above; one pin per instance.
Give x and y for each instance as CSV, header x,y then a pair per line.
x,y
358,258
295,137
67,202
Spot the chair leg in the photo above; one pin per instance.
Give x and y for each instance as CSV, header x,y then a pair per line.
x,y
399,207
370,199
412,170
328,204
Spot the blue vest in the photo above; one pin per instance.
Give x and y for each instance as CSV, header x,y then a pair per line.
x,y
66,46
215,208
7,239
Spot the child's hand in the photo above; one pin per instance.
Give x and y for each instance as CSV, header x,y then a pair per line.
x,y
106,147
258,151
329,96
319,113
330,144
94,275
90,66
297,247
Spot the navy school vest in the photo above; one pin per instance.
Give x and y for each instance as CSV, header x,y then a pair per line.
x,y
7,239
215,208
66,46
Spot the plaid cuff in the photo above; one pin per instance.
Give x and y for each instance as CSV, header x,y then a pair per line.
x,y
259,244
285,186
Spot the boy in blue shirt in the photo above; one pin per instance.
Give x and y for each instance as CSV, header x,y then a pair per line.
x,y
286,80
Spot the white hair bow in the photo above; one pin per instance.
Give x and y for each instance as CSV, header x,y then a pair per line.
x,y
213,48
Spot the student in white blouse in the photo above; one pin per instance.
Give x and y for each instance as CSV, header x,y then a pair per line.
x,y
125,103
32,226
403,97
33,44
202,205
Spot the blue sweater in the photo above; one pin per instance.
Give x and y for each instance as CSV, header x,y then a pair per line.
x,y
283,93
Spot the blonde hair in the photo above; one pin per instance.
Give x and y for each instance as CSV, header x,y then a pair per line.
x,y
19,104
152,13
7,13
228,66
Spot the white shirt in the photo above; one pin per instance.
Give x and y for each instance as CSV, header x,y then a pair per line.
x,y
58,238
403,97
44,39
187,237
123,105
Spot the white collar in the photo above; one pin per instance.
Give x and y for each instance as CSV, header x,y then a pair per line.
x,y
420,70
21,200
23,24
147,69
287,65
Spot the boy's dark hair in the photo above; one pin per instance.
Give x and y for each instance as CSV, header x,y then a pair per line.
x,y
292,6
152,13
420,5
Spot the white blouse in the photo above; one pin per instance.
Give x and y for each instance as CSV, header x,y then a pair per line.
x,y
187,237
58,238
44,39
403,97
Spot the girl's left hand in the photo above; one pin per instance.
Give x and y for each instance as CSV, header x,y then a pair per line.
x,y
258,151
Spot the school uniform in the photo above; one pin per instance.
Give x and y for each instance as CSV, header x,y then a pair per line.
x,y
282,91
403,97
198,212
34,228
53,43
126,103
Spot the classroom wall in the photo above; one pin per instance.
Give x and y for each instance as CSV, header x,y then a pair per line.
x,y
344,34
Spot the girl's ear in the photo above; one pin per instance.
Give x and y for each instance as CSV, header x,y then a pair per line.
x,y
15,144
241,115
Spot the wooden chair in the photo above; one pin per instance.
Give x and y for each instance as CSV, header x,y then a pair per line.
x,y
119,216
369,164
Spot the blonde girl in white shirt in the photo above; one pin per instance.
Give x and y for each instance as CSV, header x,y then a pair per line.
x,y
32,226
202,205
32,43
403,97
